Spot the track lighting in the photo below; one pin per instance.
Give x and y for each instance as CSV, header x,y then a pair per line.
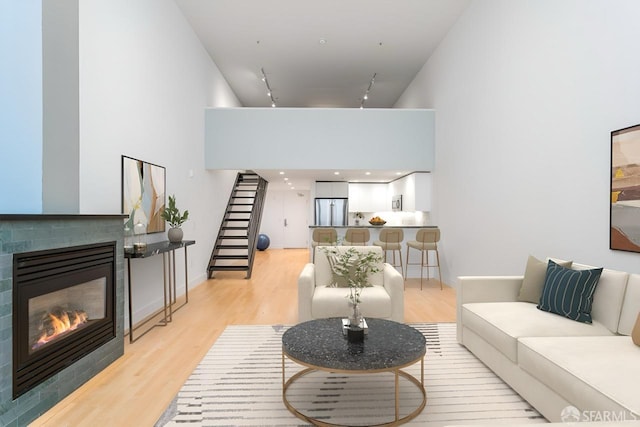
x,y
366,94
269,91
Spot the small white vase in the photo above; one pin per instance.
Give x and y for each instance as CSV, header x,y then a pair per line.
x,y
175,234
356,316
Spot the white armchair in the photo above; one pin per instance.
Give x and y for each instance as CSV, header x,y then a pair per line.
x,y
317,300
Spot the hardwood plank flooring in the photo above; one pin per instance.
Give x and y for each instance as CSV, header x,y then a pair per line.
x,y
136,389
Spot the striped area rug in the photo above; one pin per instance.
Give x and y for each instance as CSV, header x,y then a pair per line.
x,y
239,383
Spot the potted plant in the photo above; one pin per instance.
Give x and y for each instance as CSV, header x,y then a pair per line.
x,y
355,267
172,215
358,216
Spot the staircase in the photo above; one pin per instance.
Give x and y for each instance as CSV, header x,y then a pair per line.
x,y
235,245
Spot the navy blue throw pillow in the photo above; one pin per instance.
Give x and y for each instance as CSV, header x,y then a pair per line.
x,y
568,292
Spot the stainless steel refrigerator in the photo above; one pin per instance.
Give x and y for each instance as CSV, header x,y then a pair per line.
x,y
332,212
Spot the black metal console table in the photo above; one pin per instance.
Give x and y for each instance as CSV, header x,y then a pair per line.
x,y
168,251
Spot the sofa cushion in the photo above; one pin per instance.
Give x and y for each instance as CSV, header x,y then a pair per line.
x,y
609,296
502,323
533,280
635,333
568,292
324,273
338,277
594,373
630,306
334,302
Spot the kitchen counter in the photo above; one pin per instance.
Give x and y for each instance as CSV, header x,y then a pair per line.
x,y
409,234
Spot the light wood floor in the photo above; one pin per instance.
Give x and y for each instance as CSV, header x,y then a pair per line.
x,y
136,389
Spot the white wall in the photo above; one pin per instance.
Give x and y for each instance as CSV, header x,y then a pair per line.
x,y
145,81
21,106
526,94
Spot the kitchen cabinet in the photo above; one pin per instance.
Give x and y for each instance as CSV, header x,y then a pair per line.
x,y
422,192
415,190
369,198
334,189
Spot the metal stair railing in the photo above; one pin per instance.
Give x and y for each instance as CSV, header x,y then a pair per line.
x,y
254,224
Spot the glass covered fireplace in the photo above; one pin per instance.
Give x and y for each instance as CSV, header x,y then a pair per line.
x,y
63,309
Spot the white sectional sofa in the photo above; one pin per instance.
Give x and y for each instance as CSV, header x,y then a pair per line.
x,y
551,361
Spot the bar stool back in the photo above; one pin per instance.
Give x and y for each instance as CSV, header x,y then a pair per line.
x,y
356,237
426,240
323,237
390,239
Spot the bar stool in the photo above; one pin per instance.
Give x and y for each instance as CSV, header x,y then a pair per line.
x,y
390,239
323,237
426,240
356,237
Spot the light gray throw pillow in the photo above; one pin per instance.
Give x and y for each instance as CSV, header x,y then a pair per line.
x,y
533,282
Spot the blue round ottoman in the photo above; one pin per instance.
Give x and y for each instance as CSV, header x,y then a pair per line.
x,y
263,242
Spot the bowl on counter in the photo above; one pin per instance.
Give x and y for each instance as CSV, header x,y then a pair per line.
x,y
383,222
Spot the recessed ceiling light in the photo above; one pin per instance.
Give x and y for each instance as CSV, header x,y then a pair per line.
x,y
398,173
288,183
281,172
322,41
336,173
367,173
286,179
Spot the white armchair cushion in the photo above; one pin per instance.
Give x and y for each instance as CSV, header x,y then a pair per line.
x,y
333,302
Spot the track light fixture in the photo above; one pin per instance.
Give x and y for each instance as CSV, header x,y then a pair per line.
x,y
366,94
269,91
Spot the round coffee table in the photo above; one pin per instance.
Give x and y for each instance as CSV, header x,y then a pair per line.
x,y
389,346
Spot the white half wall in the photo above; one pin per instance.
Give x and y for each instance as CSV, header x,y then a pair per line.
x,y
145,80
526,94
319,138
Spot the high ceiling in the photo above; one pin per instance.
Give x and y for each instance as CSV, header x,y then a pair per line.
x,y
321,53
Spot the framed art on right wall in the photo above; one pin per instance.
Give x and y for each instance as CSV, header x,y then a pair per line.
x,y
624,230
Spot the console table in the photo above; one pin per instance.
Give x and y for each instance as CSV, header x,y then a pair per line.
x,y
168,251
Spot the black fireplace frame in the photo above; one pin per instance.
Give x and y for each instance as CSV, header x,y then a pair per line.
x,y
32,276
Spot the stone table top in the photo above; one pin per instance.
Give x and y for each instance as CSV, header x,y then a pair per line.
x,y
320,343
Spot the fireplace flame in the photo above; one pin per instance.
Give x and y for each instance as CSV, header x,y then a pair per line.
x,y
59,323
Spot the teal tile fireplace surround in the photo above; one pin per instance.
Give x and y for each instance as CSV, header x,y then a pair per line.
x,y
26,233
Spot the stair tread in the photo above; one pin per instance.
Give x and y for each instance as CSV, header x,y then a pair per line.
x,y
226,257
229,267
224,246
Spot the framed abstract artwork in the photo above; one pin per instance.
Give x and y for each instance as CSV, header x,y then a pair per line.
x,y
624,230
143,193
